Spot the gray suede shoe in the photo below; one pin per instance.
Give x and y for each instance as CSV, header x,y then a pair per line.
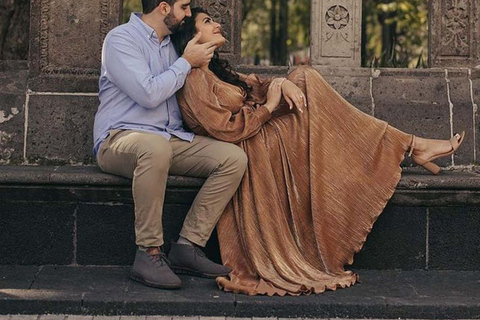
x,y
154,271
187,259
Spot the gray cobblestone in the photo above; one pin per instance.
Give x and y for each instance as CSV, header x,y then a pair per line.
x,y
133,317
24,317
158,318
52,317
185,318
106,318
79,318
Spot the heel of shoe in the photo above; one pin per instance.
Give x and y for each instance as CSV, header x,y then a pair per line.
x,y
432,167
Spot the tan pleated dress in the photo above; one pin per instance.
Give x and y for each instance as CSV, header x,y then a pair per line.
x,y
315,183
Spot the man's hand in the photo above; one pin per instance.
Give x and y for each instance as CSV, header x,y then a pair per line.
x,y
294,95
199,54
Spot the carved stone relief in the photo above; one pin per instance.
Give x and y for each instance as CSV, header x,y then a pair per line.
x,y
456,28
336,32
454,33
228,13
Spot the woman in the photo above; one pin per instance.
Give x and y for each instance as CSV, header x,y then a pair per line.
x,y
317,179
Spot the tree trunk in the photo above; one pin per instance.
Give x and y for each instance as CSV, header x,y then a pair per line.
x,y
14,29
273,33
283,33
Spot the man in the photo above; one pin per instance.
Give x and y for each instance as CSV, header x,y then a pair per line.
x,y
139,134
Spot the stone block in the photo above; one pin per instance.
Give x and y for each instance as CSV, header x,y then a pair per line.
x,y
12,120
475,94
229,15
60,129
75,67
36,234
336,33
463,114
454,241
397,240
13,87
454,33
105,234
414,102
17,277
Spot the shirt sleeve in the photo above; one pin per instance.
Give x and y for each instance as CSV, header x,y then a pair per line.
x,y
201,108
127,67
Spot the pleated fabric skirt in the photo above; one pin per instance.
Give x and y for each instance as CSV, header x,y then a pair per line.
x,y
315,184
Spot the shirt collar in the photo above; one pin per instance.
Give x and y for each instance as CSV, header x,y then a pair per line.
x,y
136,20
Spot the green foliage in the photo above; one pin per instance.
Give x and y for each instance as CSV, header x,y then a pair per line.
x,y
130,6
396,33
256,31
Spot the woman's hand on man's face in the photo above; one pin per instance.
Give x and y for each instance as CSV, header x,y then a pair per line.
x,y
294,95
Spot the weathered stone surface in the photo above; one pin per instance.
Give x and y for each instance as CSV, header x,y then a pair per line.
x,y
13,87
475,94
17,277
229,14
463,114
417,105
60,129
354,85
397,240
454,33
105,234
74,67
336,33
36,234
454,241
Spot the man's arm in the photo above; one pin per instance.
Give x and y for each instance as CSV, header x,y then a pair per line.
x,y
127,68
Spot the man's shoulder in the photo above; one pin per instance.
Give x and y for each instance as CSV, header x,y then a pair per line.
x,y
125,31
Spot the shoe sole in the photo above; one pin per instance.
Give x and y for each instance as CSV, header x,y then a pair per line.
x,y
138,278
191,272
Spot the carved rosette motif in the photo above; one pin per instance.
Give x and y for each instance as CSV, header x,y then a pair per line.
x,y
456,28
45,66
222,12
5,151
337,17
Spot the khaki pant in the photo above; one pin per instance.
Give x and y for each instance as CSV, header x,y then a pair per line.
x,y
149,158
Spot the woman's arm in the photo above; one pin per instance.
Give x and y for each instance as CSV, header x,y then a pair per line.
x,y
200,107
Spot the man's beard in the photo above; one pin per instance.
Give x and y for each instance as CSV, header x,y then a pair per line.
x,y
172,23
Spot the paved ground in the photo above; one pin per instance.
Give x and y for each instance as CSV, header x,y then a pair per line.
x,y
108,291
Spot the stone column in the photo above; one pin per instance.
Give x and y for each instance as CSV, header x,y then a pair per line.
x,y
336,32
454,33
66,41
229,14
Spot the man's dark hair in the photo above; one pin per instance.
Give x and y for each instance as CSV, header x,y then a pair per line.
x,y
150,5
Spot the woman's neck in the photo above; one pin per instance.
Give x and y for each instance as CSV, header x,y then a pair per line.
x,y
205,67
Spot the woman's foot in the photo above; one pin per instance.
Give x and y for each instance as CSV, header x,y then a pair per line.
x,y
423,151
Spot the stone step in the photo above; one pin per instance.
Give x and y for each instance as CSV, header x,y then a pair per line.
x,y
108,291
80,216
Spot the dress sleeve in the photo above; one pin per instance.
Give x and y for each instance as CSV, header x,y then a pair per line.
x,y
259,87
201,108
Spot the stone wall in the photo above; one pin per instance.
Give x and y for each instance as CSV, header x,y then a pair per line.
x,y
47,109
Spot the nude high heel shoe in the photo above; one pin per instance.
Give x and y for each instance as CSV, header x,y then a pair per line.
x,y
455,142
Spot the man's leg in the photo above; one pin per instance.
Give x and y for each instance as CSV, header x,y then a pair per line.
x,y
223,164
145,158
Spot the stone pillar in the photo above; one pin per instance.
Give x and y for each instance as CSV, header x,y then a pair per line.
x,y
66,41
229,14
336,32
454,33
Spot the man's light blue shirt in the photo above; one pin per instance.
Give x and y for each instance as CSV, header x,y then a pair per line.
x,y
138,82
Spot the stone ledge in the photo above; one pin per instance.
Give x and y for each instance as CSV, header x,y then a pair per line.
x,y
412,179
108,291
